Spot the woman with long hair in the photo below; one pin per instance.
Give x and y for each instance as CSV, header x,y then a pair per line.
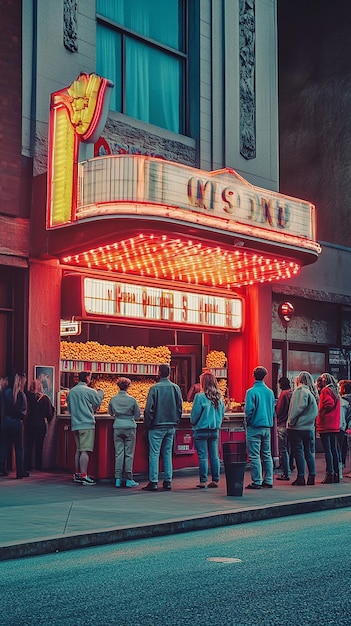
x,y
13,412
302,415
39,415
328,426
206,418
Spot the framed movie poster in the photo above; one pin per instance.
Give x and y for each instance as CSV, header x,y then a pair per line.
x,y
45,373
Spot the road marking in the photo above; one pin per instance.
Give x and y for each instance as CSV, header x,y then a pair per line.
x,y
223,559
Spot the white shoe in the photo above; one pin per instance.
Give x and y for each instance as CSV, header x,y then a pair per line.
x,y
131,483
87,480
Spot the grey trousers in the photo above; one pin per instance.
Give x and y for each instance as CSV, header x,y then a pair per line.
x,y
124,440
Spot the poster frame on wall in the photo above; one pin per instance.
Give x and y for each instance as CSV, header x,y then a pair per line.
x,y
46,374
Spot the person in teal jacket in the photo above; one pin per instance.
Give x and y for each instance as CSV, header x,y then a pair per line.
x,y
259,414
206,418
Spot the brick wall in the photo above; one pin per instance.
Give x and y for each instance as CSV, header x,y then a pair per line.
x,y
11,108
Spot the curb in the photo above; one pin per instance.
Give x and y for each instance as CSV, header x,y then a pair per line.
x,y
63,543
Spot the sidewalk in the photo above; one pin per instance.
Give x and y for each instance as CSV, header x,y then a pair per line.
x,y
48,512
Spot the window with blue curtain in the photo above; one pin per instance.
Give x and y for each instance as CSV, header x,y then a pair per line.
x,y
141,48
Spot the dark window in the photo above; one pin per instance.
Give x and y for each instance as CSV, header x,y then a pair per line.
x,y
141,47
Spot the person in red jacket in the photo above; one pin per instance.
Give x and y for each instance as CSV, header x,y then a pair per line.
x,y
328,426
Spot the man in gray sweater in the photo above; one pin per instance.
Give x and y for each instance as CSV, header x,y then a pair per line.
x,y
82,402
162,413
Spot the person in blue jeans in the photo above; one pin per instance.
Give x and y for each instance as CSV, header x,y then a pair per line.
x,y
303,410
206,418
162,413
259,414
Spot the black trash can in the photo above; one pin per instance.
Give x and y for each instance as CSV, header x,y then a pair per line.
x,y
234,459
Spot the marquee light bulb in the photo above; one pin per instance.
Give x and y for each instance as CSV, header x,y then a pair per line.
x,y
184,260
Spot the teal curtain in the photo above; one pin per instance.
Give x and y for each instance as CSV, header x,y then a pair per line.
x,y
109,62
153,78
161,20
153,84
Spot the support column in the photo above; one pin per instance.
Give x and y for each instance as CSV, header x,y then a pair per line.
x,y
254,345
44,314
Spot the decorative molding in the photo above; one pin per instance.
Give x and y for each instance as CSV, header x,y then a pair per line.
x,y
247,71
311,294
70,25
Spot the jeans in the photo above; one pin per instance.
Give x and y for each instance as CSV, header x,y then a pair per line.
x,y
206,444
331,452
342,443
11,433
259,449
302,444
283,450
124,440
160,441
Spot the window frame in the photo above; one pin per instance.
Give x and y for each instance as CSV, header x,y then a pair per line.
x,y
125,32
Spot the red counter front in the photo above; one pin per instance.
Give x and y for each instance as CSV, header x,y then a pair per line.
x,y
102,460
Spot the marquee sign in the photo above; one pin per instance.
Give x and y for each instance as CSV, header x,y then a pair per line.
x,y
137,185
132,186
127,301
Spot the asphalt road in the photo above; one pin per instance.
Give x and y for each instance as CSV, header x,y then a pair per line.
x,y
290,571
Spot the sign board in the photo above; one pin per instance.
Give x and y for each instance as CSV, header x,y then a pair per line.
x,y
123,300
68,329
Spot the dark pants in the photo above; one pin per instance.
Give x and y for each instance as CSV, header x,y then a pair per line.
x,y
11,434
342,443
34,441
331,452
302,446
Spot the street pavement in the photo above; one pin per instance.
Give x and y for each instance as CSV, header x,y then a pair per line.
x,y
48,512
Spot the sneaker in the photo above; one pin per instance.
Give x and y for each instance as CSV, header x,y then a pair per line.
x,y
118,482
253,486
131,483
23,475
150,487
213,485
77,478
201,486
88,481
167,485
266,486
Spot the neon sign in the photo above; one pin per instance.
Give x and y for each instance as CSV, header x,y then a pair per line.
x,y
123,300
77,114
147,187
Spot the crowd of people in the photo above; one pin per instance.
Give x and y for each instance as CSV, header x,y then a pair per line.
x,y
25,417
322,407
